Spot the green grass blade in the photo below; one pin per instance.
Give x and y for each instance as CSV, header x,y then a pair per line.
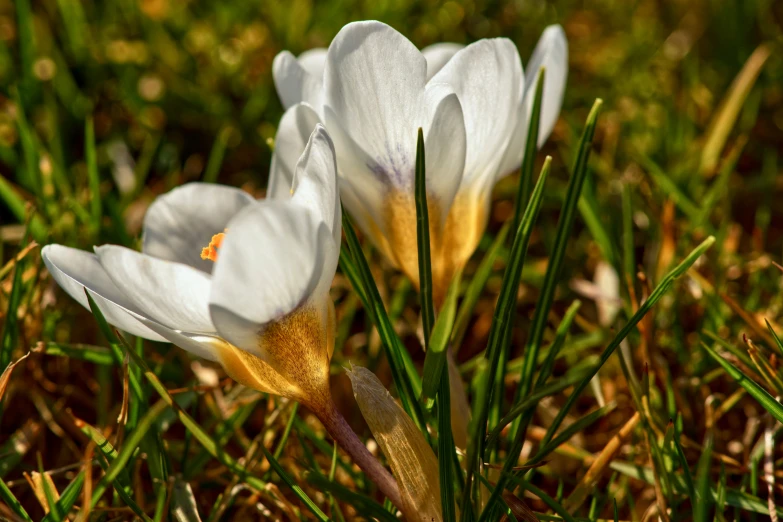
x,y
778,343
663,287
570,431
350,270
435,358
10,326
497,334
446,451
366,506
389,339
686,470
544,304
117,466
531,401
348,267
629,258
560,338
93,175
54,507
725,117
27,44
13,504
553,504
475,287
18,207
565,224
703,498
29,176
528,160
68,497
763,397
83,352
217,154
665,183
423,242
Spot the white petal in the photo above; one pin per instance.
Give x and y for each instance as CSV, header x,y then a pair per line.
x,y
292,134
180,223
551,52
294,83
487,77
203,346
272,260
173,294
315,181
444,151
374,84
313,61
76,269
438,55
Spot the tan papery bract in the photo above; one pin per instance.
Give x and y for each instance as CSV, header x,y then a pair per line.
x,y
413,462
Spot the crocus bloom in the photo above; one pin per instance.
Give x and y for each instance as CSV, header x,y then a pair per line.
x,y
238,281
373,89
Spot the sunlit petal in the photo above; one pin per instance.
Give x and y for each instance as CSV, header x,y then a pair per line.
x,y
374,84
315,181
172,294
270,263
313,61
292,134
181,221
438,55
487,78
294,82
74,270
551,52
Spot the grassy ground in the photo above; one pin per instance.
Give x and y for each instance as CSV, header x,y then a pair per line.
x,y
106,105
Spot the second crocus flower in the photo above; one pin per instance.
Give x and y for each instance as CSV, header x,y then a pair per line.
x,y
373,89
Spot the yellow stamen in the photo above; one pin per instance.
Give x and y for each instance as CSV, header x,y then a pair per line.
x,y
211,251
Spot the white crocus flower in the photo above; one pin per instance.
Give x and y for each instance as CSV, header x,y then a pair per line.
x,y
258,304
256,299
373,89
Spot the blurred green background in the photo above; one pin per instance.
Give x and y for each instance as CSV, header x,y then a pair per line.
x,y
183,90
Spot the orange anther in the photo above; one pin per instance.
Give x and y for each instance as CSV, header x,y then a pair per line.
x,y
211,251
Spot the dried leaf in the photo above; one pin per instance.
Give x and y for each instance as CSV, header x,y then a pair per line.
x,y
412,461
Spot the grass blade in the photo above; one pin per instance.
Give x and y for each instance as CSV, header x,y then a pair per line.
x,y
435,358
544,304
526,170
766,400
703,498
390,340
423,242
497,334
659,291
724,119
570,431
91,157
13,504
565,224
446,450
217,154
475,287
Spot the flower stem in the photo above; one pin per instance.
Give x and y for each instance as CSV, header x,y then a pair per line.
x,y
341,432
